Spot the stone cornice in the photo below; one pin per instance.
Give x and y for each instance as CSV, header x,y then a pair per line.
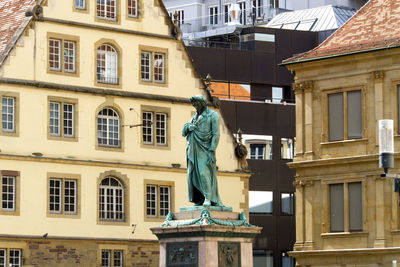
x,y
335,161
342,252
111,164
73,238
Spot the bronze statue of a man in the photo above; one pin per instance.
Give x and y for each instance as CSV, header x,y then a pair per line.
x,y
202,135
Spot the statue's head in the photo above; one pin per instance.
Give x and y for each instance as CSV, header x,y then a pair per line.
x,y
199,102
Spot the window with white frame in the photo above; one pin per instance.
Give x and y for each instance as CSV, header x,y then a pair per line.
x,y
338,221
154,130
152,67
242,16
108,128
181,16
259,146
8,114
158,200
133,8
80,4
107,64
261,202
227,18
62,196
107,9
345,115
258,5
277,94
213,15
62,55
8,192
257,151
112,258
62,119
287,203
111,200
10,257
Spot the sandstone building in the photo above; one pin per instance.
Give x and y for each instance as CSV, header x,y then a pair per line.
x,y
94,95
346,215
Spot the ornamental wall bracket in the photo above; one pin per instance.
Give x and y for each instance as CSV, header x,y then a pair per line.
x,y
303,86
378,74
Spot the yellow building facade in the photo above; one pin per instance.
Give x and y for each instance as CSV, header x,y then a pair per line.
x,y
94,97
346,214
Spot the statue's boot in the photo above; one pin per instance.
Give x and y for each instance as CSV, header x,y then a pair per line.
x,y
207,202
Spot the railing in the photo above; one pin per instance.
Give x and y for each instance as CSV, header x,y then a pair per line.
x,y
107,80
215,44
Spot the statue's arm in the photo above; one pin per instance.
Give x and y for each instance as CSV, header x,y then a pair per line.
x,y
215,131
185,129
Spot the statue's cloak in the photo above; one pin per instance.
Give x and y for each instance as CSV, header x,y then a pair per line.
x,y
200,154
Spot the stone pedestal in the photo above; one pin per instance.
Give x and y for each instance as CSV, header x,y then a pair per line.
x,y
206,237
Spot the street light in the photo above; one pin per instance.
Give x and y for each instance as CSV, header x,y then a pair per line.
x,y
386,145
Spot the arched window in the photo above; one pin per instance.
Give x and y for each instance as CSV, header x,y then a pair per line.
x,y
108,128
107,64
111,200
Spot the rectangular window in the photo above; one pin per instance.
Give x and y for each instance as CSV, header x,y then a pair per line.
x,y
3,257
159,68
336,207
213,14
158,201
132,8
287,148
287,202
63,196
14,258
257,151
258,5
118,258
264,258
8,114
145,66
8,193
227,18
242,16
261,202
62,61
62,119
355,206
80,4
105,258
55,54
343,127
277,94
159,128
181,17
107,9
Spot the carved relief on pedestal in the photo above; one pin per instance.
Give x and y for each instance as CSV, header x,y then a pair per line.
x,y
229,254
182,254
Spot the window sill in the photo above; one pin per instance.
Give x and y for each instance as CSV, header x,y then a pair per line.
x,y
344,141
343,234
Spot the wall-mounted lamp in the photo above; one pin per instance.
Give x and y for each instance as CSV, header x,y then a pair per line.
x,y
386,145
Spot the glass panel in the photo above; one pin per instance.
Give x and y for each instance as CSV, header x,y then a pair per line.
x,y
151,201
158,67
55,196
287,201
70,196
132,8
8,114
288,261
80,4
147,129
118,258
257,151
262,258
336,117
105,258
336,207
3,258
261,201
54,118
145,66
108,127
68,120
106,9
354,114
277,94
69,56
8,193
355,206
55,54
15,258
165,200
161,128
287,148
107,64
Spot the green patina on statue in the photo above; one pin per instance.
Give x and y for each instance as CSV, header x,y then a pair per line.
x,y
202,135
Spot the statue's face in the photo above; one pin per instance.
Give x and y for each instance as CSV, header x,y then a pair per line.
x,y
198,105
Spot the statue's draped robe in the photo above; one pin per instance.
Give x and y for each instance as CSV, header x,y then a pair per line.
x,y
200,154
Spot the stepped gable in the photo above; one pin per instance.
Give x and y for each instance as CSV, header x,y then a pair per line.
x,y
12,16
373,27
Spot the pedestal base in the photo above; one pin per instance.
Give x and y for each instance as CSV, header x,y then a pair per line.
x,y
205,237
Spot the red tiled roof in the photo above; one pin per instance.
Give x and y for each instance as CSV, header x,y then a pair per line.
x,y
12,14
229,91
374,26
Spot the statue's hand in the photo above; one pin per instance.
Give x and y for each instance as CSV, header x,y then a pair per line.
x,y
211,156
191,127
